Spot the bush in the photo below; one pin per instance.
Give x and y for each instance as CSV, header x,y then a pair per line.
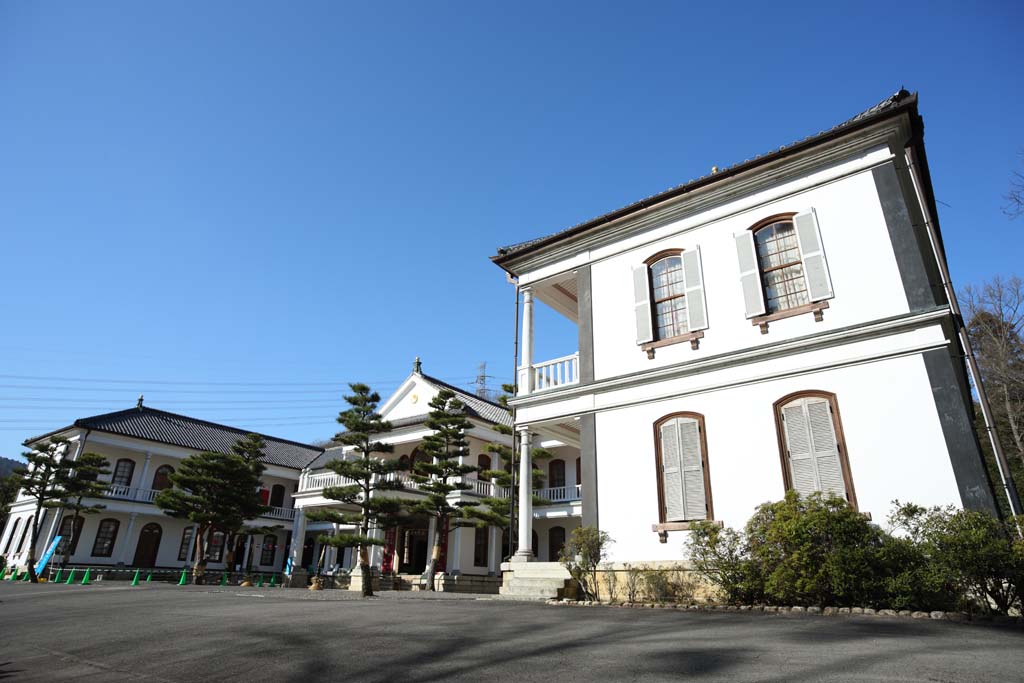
x,y
819,551
666,585
586,548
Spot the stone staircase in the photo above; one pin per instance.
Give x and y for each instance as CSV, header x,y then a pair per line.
x,y
533,581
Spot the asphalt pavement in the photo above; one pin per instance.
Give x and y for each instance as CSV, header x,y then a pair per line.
x,y
115,632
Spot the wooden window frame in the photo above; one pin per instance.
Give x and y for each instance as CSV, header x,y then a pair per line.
x,y
476,545
692,337
284,493
187,548
837,425
113,537
272,550
663,527
131,472
817,308
170,484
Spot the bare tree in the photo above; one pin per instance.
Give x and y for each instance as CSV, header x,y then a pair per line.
x,y
995,313
1015,197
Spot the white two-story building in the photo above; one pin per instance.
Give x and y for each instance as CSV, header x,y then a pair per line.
x,y
144,446
779,324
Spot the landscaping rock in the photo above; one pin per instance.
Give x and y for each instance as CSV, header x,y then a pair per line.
x,y
830,611
888,612
814,610
796,608
846,610
905,613
856,610
920,615
868,610
937,615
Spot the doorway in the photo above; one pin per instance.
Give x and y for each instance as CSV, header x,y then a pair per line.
x,y
148,546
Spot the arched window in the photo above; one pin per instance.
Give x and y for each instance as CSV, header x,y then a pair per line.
x,y
10,537
106,535
811,445
24,535
277,496
556,541
123,472
483,463
70,531
268,554
556,473
480,534
681,461
215,548
668,294
186,550
403,462
783,270
162,478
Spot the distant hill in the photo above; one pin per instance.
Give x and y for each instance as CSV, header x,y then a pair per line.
x,y
7,466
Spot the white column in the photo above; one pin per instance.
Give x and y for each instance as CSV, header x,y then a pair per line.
x,y
298,539
376,551
526,347
453,565
142,483
126,540
244,559
431,535
524,549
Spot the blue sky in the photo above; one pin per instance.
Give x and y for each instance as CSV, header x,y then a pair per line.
x,y
197,197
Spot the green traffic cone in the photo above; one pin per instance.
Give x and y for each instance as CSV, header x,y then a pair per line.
x,y
85,579
71,577
3,573
56,579
27,576
224,579
259,581
14,576
135,579
149,577
181,581
273,580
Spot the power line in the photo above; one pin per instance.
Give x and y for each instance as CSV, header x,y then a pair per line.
x,y
343,383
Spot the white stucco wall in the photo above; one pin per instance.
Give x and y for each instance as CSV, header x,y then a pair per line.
x,y
894,441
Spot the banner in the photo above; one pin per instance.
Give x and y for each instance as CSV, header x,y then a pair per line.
x,y
41,564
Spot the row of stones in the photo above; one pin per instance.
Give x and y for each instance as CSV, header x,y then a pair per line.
x,y
825,611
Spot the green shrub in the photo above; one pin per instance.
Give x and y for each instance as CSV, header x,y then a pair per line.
x,y
722,555
634,577
667,585
586,548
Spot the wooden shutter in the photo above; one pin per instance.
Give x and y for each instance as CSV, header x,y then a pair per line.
x,y
824,446
819,284
750,274
812,448
671,473
693,469
803,477
696,304
682,463
642,297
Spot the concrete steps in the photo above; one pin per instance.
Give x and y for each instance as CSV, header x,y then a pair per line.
x,y
533,581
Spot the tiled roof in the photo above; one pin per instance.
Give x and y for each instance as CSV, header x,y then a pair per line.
x,y
898,101
476,406
188,432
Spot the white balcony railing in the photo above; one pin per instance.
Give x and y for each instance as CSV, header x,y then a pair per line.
x,y
287,514
129,493
550,374
318,482
559,494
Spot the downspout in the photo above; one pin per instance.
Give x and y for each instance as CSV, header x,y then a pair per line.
x,y
515,392
965,341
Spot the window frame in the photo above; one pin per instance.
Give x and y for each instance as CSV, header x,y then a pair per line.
x,y
15,528
815,307
477,533
273,491
170,484
663,527
187,547
113,537
272,549
656,343
131,472
551,474
837,426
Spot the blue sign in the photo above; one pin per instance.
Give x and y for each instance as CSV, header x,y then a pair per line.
x,y
288,566
41,564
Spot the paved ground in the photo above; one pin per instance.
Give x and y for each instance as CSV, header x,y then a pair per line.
x,y
165,633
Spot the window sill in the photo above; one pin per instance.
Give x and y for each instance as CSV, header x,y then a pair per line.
x,y
693,337
665,527
816,308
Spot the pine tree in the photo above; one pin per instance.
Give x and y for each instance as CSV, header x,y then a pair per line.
x,y
498,510
439,474
250,449
42,481
215,491
80,483
369,475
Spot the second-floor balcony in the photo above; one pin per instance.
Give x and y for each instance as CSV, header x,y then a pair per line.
x,y
139,495
549,374
482,488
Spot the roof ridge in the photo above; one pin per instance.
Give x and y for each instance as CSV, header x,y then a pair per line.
x,y
457,390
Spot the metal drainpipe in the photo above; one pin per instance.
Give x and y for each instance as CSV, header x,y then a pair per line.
x,y
958,319
515,392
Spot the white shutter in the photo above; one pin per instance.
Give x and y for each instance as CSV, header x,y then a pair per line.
x,y
671,474
696,304
750,275
695,502
824,447
642,296
819,284
798,447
